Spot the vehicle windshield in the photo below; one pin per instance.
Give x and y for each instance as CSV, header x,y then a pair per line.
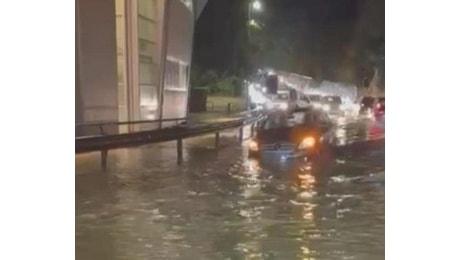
x,y
333,100
315,98
282,96
277,121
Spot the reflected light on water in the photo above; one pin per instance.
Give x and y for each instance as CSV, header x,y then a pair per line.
x,y
341,120
306,253
251,183
253,166
341,136
224,206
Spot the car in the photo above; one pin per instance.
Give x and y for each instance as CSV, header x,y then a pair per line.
x,y
372,107
333,105
367,105
304,133
379,109
280,101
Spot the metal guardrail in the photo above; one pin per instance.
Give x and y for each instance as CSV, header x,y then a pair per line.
x,y
104,142
101,125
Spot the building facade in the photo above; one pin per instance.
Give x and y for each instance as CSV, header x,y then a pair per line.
x,y
133,59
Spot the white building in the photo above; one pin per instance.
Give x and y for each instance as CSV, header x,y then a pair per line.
x,y
133,59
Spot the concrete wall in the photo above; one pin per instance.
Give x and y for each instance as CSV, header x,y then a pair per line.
x,y
179,48
96,78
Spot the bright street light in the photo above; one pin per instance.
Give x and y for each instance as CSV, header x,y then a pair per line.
x,y
257,5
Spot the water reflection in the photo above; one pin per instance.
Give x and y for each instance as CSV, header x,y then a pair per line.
x,y
220,205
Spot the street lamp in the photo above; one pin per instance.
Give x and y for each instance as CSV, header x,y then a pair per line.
x,y
257,5
254,5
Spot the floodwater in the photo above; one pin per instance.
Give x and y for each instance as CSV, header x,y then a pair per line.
x,y
220,205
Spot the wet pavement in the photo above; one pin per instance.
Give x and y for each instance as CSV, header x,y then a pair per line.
x,y
220,205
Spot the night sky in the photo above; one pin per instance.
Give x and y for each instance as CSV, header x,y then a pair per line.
x,y
326,39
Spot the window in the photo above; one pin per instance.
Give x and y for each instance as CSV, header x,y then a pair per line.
x,y
147,29
176,74
147,49
148,9
304,98
147,73
172,74
147,14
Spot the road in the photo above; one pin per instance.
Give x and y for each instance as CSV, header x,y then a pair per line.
x,y
220,205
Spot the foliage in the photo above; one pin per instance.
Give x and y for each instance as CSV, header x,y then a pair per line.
x,y
222,85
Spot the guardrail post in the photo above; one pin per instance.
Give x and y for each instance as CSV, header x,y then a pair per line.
x,y
216,140
104,154
240,135
179,151
211,105
229,107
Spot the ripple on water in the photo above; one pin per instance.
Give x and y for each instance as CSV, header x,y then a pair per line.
x,y
233,208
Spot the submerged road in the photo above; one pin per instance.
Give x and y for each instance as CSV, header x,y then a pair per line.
x,y
220,205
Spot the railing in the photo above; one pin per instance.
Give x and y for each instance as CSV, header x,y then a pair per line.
x,y
100,126
104,141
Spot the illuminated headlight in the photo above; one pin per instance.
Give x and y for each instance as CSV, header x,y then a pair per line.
x,y
307,142
283,106
253,146
264,89
326,107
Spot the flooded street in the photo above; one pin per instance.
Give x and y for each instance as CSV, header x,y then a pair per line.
x,y
220,205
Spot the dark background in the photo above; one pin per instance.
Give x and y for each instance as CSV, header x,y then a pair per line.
x,y
338,40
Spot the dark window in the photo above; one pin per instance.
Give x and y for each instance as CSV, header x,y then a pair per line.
x,y
315,98
304,98
367,101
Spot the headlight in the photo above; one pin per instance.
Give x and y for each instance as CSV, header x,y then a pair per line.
x,y
253,146
316,105
283,106
326,107
342,107
307,142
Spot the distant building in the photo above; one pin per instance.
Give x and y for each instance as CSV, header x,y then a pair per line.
x,y
133,58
